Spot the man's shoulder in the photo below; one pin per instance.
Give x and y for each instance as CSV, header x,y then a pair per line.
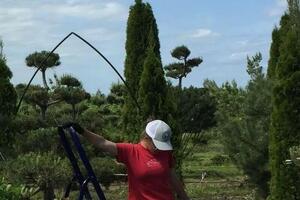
x,y
126,145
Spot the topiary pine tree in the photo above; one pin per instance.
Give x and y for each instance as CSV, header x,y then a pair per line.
x,y
179,70
140,21
285,119
36,60
71,91
39,96
116,95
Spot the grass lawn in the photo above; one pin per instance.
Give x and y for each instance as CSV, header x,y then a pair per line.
x,y
222,180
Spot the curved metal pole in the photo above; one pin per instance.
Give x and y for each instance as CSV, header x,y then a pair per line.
x,y
97,51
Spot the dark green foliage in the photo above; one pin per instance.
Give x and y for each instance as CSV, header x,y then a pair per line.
x,y
40,140
41,97
140,23
46,171
180,70
36,60
117,93
285,181
106,168
71,95
8,98
70,81
171,117
25,120
153,89
181,52
92,119
70,90
98,99
112,111
37,95
274,53
243,120
196,110
278,36
5,72
9,191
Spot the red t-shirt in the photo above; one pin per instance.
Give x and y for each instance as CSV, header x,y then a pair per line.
x,y
148,173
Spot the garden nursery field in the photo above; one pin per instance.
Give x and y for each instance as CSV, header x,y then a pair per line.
x,y
203,105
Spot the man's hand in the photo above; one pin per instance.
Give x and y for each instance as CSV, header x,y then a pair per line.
x,y
97,140
75,125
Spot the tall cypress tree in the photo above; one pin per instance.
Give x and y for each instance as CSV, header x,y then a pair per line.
x,y
278,36
285,119
274,53
140,21
153,88
8,96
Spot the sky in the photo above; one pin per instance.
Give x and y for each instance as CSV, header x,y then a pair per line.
x,y
223,33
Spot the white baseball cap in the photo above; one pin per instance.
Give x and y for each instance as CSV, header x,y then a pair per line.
x,y
160,133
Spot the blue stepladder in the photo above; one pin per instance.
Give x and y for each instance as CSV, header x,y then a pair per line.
x,y
78,176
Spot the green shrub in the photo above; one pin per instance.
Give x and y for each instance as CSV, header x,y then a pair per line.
x,y
12,192
46,171
105,169
9,192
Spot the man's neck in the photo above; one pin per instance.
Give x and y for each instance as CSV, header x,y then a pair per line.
x,y
148,146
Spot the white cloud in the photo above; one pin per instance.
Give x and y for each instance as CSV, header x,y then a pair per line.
x,y
20,24
96,10
278,9
99,34
202,33
242,42
15,20
239,55
31,23
20,20
254,43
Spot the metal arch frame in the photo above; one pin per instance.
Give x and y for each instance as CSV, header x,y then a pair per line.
x,y
96,50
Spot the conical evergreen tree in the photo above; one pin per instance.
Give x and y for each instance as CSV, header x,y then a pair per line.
x,y
285,119
140,21
274,53
8,96
152,92
278,36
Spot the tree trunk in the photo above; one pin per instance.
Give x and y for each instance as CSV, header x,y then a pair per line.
x,y
44,79
180,83
49,193
43,113
74,112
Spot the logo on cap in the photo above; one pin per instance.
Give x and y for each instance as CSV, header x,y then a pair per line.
x,y
165,136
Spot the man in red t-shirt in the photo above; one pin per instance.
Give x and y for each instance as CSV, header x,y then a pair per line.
x,y
150,165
